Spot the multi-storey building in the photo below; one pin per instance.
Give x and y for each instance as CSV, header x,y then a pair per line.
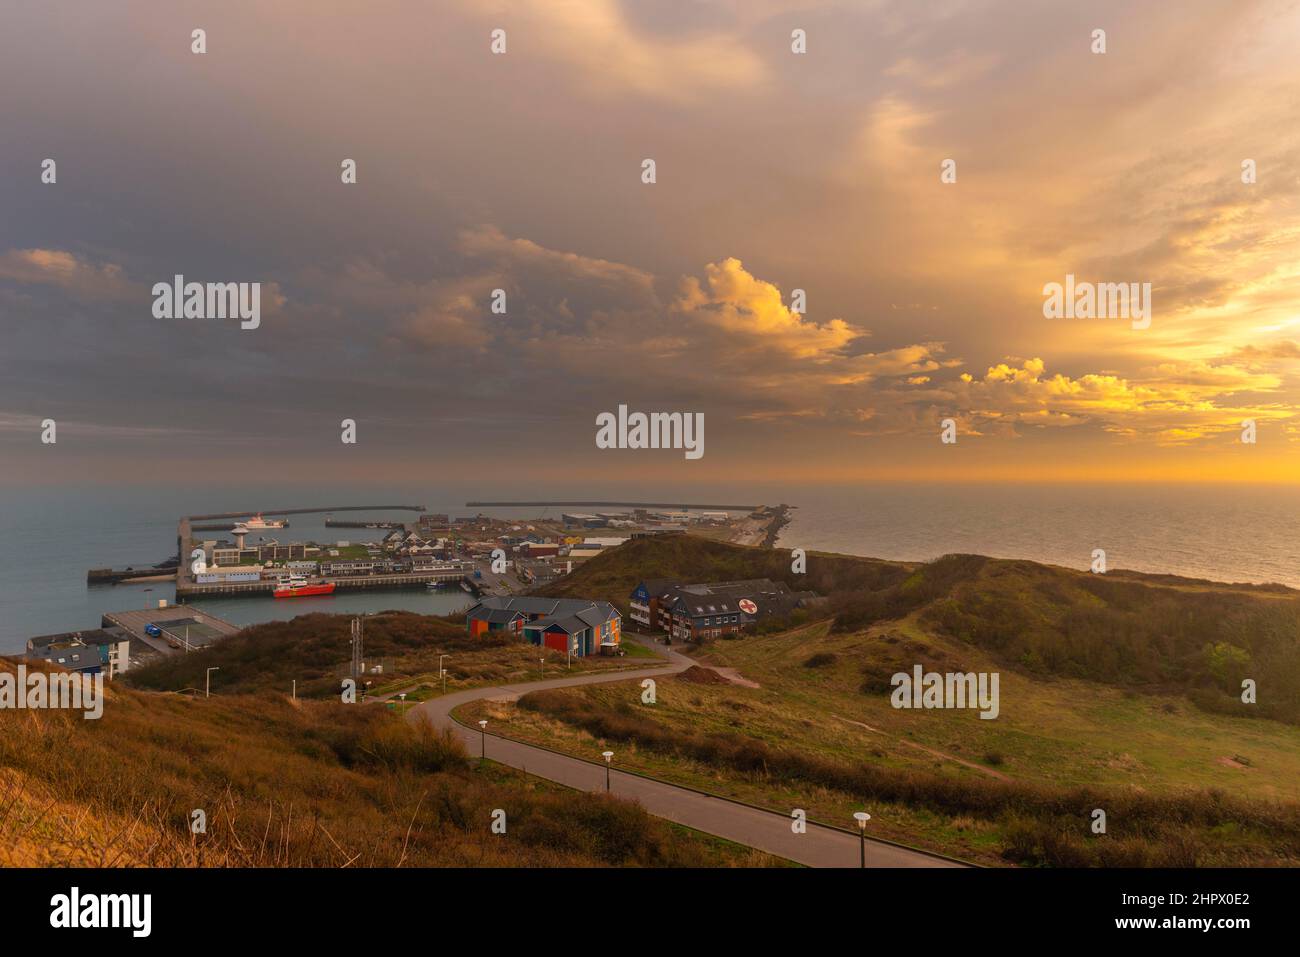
x,y
710,610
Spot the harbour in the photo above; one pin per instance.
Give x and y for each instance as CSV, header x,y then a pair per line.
x,y
373,582
55,538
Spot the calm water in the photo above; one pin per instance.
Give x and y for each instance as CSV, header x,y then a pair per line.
x,y
1248,534
49,537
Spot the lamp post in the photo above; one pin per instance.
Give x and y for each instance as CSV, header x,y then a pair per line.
x,y
442,672
608,756
482,725
862,817
207,682
541,666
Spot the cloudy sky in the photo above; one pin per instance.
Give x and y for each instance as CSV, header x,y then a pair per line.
x,y
775,171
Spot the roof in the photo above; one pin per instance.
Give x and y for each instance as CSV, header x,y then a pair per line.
x,y
91,636
565,611
495,616
717,598
570,624
655,586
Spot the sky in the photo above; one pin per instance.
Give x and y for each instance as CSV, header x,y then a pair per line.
x,y
775,171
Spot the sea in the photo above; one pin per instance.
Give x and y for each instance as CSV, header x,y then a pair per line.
x,y
50,536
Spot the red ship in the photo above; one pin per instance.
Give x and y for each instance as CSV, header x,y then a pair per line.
x,y
299,587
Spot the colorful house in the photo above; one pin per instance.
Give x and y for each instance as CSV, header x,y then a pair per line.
x,y
563,624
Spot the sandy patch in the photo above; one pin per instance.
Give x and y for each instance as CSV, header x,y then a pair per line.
x,y
736,678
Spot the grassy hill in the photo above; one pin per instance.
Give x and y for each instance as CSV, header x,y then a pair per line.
x,y
315,651
1131,630
1118,692
614,573
306,783
1156,632
810,728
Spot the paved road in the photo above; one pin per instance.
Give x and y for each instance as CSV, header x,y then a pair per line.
x,y
818,847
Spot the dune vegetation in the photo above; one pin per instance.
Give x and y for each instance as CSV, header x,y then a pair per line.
x,y
296,784
1119,693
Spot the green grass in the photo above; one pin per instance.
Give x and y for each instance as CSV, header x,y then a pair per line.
x,y
1063,735
634,649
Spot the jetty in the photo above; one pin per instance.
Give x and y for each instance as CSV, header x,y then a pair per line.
x,y
680,506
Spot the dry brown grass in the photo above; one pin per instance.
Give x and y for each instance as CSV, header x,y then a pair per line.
x,y
303,784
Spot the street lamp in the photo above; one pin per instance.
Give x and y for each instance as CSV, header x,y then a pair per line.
x,y
207,682
541,666
482,725
862,817
609,756
443,672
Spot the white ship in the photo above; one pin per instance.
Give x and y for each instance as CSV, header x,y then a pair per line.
x,y
257,521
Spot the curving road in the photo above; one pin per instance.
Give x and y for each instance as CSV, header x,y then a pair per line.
x,y
766,830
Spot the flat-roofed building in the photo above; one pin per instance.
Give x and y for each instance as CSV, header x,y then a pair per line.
x,y
582,520
95,650
216,575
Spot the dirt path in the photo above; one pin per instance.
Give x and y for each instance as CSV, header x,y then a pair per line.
x,y
931,751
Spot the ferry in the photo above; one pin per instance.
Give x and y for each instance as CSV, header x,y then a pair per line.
x,y
257,521
296,586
